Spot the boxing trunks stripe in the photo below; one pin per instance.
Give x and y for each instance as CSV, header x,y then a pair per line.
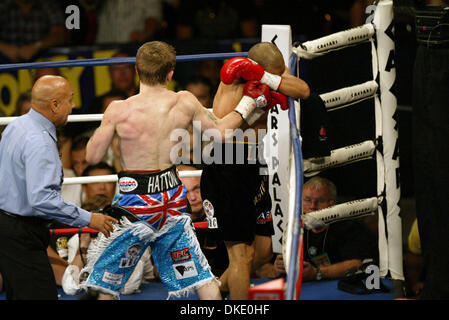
x,y
165,226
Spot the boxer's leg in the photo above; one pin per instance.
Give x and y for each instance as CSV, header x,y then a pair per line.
x,y
263,251
111,261
181,264
241,257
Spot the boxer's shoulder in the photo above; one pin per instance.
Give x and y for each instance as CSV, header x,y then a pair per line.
x,y
186,99
185,96
114,108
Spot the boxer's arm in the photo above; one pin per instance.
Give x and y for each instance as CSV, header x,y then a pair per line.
x,y
207,119
247,69
232,120
255,96
293,86
102,138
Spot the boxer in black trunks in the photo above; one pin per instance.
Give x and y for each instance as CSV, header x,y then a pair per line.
x,y
232,192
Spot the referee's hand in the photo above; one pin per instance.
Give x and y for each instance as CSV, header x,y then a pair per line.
x,y
102,223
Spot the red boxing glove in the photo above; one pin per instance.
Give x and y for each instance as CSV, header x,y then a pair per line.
x,y
240,67
259,92
275,98
278,98
257,96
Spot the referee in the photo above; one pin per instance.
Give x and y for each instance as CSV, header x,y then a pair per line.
x,y
30,196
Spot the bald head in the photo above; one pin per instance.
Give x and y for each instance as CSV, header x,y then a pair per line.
x,y
268,56
52,96
47,88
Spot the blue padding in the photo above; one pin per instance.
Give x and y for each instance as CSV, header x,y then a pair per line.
x,y
292,276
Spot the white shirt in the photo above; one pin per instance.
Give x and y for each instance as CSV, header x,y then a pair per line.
x,y
118,18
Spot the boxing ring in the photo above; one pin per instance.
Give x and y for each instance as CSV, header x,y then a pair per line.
x,y
285,157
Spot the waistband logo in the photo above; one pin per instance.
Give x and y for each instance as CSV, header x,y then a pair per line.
x,y
127,184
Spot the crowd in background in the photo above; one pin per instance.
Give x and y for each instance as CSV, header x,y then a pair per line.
x,y
31,26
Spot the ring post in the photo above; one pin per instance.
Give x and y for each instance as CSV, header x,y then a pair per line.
x,y
285,190
383,20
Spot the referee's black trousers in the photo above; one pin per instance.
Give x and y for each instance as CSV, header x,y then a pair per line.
x,y
24,264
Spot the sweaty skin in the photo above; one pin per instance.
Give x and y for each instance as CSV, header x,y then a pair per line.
x,y
145,122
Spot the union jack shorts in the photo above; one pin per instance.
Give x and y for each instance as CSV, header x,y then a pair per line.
x,y
166,227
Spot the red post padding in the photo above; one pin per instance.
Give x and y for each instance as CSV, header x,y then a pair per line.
x,y
271,290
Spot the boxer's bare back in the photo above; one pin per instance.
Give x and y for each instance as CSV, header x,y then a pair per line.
x,y
144,124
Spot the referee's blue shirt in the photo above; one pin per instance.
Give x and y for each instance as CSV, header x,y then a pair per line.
x,y
31,172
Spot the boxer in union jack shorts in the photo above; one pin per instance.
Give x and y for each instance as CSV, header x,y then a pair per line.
x,y
154,211
156,201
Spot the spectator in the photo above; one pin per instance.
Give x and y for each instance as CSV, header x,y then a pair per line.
x,y
210,69
30,26
23,104
216,19
215,251
45,72
129,21
112,95
78,155
106,188
87,32
192,185
330,251
123,76
57,254
249,19
123,84
202,89
74,168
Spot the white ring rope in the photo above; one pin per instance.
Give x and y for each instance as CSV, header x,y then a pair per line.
x,y
347,210
340,157
114,177
346,96
72,118
336,41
